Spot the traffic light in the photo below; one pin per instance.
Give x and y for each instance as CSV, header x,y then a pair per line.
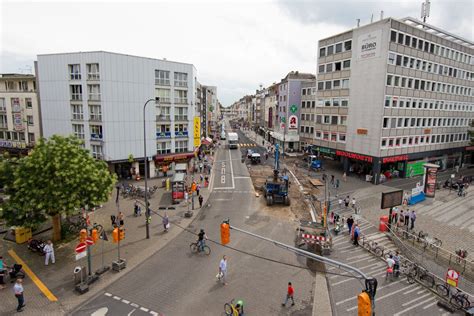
x,y
225,233
364,306
115,235
94,235
121,233
83,235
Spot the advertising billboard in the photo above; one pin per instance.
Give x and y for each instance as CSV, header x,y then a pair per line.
x,y
430,179
197,131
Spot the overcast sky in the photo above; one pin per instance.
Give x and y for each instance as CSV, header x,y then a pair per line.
x,y
235,45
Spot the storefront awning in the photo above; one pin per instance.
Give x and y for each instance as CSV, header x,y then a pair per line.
x,y
169,158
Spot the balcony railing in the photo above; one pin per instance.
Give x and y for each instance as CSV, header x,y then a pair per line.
x,y
181,100
161,135
3,125
161,118
76,97
3,109
94,97
180,117
162,82
96,137
165,100
96,117
93,76
181,134
74,76
180,83
77,117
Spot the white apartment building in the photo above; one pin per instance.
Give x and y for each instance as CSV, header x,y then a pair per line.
x,y
99,97
393,95
20,122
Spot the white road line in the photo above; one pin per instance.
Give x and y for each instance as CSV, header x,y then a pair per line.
x,y
107,294
429,305
355,297
223,188
117,298
125,301
134,305
154,313
241,177
412,290
384,296
231,170
416,299
413,306
144,309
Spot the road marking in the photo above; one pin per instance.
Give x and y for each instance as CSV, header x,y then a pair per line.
x,y
144,309
131,312
231,170
100,312
416,299
154,313
134,305
412,290
241,177
413,306
117,298
107,294
33,276
384,296
125,301
378,289
429,305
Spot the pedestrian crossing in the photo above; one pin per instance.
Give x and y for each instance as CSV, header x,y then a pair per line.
x,y
394,297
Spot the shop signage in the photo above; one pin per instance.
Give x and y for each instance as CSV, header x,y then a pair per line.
x,y
293,124
354,156
325,150
369,45
197,131
18,122
395,158
10,144
470,148
181,133
293,108
168,158
163,135
362,131
415,168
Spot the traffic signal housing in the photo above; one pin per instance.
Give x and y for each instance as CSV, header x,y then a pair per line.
x,y
364,306
83,235
121,233
225,233
94,235
115,235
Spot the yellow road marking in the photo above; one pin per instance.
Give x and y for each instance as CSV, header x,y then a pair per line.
x,y
33,276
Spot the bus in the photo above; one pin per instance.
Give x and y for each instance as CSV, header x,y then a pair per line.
x,y
233,140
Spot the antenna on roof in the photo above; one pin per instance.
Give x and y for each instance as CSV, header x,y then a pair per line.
x,y
425,10
381,15
372,18
358,22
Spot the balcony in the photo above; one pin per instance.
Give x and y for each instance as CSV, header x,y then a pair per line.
x,y
181,118
94,97
3,109
95,118
93,77
74,76
76,97
163,118
182,84
163,135
181,134
162,82
96,137
165,100
181,100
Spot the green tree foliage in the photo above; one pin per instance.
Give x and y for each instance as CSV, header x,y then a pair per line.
x,y
57,177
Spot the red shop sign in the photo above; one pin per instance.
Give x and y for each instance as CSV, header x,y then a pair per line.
x,y
395,158
353,156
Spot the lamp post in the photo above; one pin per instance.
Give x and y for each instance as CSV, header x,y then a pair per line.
x,y
147,212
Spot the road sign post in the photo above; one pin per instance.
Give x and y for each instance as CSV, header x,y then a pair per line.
x,y
452,277
104,268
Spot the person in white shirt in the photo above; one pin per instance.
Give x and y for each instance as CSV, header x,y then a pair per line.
x,y
18,290
49,251
390,265
223,269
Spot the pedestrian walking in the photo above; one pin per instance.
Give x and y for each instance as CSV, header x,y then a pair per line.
x,y
407,218
266,155
200,166
340,202
336,185
401,218
166,222
405,198
49,252
120,219
289,295
198,188
18,290
223,270
353,202
346,201
2,273
350,222
136,209
344,177
113,220
201,200
356,235
332,180
206,181
412,219
394,215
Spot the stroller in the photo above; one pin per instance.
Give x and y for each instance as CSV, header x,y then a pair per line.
x,y
16,272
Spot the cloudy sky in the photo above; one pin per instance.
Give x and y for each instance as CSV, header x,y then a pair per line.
x,y
235,45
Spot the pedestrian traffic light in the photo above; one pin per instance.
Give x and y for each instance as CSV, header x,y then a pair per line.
x,y
94,235
115,235
83,235
225,233
364,306
121,233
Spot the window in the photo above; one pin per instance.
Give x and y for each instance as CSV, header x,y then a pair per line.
x,y
333,137
3,107
181,96
346,64
31,138
334,120
318,134
303,91
414,42
407,40
338,47
384,142
163,147
3,121
78,130
337,66
391,58
327,102
335,102
96,132
321,69
181,114
181,146
97,151
342,138
76,92
322,52
328,85
348,45
77,113
329,67
393,36
75,72
400,38
318,119
336,84
326,136
327,119
343,119
95,113
162,77
93,72
345,83
94,92
180,79
163,94
29,103
320,86
389,80
301,129
330,50
399,60
385,122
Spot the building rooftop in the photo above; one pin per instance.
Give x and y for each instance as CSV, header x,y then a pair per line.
x,y
16,76
299,75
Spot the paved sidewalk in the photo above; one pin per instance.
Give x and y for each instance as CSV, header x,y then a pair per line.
x,y
135,249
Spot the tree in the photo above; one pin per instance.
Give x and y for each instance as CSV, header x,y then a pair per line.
x,y
58,177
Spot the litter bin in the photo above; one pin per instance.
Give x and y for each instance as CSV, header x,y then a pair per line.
x,y
22,234
79,274
383,223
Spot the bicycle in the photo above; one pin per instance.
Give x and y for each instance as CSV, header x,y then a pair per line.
x,y
230,309
98,227
460,300
196,249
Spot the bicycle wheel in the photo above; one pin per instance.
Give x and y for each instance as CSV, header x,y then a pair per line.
x,y
437,243
379,251
194,247
228,310
428,279
411,277
207,250
442,290
459,301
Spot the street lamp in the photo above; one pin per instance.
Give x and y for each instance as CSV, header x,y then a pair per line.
x,y
147,212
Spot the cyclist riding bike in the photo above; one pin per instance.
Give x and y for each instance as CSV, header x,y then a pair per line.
x,y
202,237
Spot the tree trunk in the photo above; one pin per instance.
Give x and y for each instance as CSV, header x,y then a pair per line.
x,y
56,227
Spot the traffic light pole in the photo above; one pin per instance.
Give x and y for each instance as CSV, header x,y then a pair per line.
x,y
337,264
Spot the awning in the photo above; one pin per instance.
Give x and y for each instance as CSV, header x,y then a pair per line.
x,y
169,158
206,141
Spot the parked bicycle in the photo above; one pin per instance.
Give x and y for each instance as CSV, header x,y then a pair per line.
x,y
432,242
422,274
458,299
372,246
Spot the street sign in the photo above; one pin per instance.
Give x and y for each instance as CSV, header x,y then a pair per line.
x,y
81,247
313,237
89,241
452,277
81,255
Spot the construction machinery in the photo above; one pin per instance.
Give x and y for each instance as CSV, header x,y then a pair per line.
x,y
275,189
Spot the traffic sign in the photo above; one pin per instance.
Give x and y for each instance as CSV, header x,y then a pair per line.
x,y
81,255
81,247
452,277
89,241
293,108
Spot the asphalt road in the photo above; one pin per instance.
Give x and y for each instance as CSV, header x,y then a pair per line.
x,y
176,282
